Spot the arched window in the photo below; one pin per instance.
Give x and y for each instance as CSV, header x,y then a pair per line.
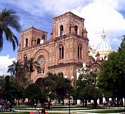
x,y
26,42
82,33
79,51
25,60
61,52
38,41
43,37
70,29
76,29
61,30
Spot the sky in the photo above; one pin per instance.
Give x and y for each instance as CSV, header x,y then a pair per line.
x,y
99,15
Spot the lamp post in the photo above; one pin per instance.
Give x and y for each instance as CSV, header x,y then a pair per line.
x,y
68,93
69,102
72,81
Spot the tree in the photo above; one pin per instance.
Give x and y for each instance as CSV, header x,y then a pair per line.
x,y
55,85
45,85
63,87
122,46
2,82
11,89
86,88
31,64
9,20
14,68
112,77
22,71
34,94
19,71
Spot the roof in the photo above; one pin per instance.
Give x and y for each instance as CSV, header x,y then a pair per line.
x,y
33,28
70,14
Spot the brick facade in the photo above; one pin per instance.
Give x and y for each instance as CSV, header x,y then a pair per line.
x,y
64,52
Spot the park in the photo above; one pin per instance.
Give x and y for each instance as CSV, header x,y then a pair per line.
x,y
60,74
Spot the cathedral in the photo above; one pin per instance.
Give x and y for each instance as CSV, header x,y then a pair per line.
x,y
64,52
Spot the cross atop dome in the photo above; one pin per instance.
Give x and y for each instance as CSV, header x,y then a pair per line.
x,y
103,35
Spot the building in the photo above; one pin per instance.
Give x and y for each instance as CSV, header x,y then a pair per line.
x,y
96,57
65,52
102,50
104,47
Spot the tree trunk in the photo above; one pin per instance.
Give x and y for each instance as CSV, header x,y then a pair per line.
x,y
119,101
113,101
85,102
63,101
95,103
49,104
100,100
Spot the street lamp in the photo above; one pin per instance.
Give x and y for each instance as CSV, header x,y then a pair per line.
x,y
68,93
69,102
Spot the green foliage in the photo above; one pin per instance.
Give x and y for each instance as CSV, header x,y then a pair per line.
x,y
122,46
86,87
17,70
11,90
33,92
63,86
2,81
112,76
55,85
8,20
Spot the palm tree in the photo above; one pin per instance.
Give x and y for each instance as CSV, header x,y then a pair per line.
x,y
22,71
9,21
15,68
30,65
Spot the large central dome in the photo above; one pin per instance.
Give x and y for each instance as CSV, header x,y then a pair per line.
x,y
104,47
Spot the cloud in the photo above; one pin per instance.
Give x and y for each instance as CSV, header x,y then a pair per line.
x,y
5,61
62,6
100,15
41,7
27,5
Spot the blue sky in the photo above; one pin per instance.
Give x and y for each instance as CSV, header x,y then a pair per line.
x,y
27,20
99,14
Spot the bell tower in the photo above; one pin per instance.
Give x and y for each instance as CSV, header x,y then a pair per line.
x,y
30,38
71,43
68,24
